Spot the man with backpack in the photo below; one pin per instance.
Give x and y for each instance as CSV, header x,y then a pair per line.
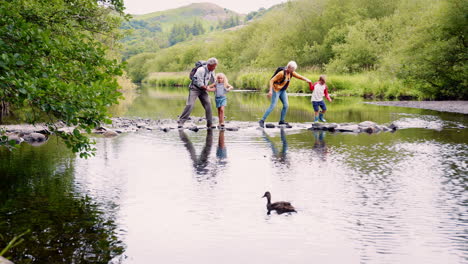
x,y
278,85
202,75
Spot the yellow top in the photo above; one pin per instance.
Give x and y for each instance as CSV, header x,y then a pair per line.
x,y
275,81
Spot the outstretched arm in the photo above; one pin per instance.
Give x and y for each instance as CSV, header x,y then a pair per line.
x,y
211,87
300,77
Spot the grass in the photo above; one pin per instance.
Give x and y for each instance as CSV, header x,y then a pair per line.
x,y
367,85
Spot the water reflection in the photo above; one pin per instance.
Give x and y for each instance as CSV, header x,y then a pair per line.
x,y
221,151
320,147
200,162
36,193
279,156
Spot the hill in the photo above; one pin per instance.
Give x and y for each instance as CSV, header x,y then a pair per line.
x,y
153,31
417,43
208,13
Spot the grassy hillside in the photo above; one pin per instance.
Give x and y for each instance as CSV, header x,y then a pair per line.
x,y
154,31
417,44
208,13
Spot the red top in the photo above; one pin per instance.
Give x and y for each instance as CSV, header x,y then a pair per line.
x,y
312,86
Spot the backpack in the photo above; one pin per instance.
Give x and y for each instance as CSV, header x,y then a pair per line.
x,y
278,70
198,64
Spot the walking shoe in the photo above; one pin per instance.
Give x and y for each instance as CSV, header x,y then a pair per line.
x,y
261,123
316,119
221,126
283,123
321,118
210,126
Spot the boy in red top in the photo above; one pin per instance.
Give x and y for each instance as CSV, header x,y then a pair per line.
x,y
319,89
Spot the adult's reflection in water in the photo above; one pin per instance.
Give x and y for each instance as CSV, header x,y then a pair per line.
x,y
278,156
201,162
320,147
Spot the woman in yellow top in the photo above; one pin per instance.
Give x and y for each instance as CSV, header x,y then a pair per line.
x,y
278,85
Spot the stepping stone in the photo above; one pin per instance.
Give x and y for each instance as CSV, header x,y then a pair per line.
x,y
270,125
194,129
232,128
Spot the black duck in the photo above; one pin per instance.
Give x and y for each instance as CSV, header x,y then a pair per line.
x,y
279,207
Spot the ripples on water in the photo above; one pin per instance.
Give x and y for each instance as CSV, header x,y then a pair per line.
x,y
186,197
179,195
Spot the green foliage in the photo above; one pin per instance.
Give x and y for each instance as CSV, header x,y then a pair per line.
x,y
158,30
55,61
14,242
232,21
432,54
419,44
66,226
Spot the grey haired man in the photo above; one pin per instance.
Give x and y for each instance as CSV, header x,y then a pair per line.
x,y
202,78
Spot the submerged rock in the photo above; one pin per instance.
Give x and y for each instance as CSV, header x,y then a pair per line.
x,y
367,124
16,138
194,128
4,261
348,128
392,126
110,133
35,137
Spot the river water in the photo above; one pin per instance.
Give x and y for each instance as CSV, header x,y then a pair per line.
x,y
195,197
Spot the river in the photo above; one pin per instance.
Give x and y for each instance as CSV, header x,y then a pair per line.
x,y
195,197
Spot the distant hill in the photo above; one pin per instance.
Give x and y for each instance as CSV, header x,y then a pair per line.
x,y
153,31
209,13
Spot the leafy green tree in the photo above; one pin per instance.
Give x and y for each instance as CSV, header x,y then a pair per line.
x,y
433,53
55,60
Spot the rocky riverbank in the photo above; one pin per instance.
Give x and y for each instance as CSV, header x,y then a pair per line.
x,y
38,134
442,106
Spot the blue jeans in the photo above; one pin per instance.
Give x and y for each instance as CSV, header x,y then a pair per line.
x,y
283,96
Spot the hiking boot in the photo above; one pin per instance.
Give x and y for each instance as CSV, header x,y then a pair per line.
x,y
261,123
283,123
210,126
321,118
316,119
221,127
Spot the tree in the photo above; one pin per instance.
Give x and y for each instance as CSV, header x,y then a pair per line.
x,y
55,60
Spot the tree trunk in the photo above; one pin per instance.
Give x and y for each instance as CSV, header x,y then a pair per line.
x,y
4,110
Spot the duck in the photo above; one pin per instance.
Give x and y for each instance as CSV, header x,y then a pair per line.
x,y
279,207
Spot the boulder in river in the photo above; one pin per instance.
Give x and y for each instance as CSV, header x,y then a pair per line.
x,y
35,137
16,138
270,125
110,133
348,128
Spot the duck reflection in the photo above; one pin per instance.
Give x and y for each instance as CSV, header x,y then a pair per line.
x,y
320,147
279,156
201,162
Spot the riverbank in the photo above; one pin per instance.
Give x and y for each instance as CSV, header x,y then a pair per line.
x,y
442,106
367,85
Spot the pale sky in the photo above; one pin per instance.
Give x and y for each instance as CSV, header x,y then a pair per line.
x,y
139,7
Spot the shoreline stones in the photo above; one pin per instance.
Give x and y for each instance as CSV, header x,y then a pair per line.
x,y
363,127
38,135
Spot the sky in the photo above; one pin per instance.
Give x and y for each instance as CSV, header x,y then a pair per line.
x,y
138,7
